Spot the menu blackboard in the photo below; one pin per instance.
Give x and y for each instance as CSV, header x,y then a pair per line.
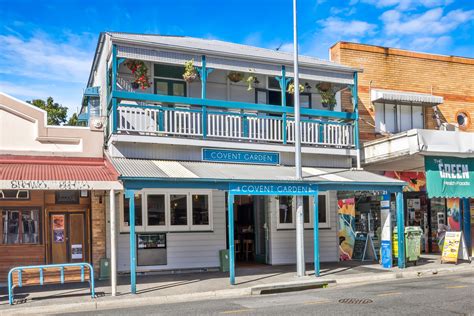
x,y
359,246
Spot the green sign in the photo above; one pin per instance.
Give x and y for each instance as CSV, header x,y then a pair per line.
x,y
449,177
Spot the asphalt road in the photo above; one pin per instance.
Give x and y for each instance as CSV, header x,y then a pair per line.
x,y
442,295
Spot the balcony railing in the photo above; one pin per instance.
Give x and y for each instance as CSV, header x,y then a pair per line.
x,y
230,125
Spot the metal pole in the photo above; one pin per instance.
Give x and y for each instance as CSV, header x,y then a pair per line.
x,y
113,244
316,234
401,229
300,262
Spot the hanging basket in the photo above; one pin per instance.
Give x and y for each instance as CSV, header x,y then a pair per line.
x,y
190,74
235,76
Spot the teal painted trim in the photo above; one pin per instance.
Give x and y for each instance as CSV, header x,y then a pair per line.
x,y
245,122
355,95
120,61
283,83
230,236
316,234
114,68
161,120
144,97
466,216
203,95
401,229
114,115
130,194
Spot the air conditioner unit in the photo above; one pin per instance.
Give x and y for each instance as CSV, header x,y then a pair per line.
x,y
449,127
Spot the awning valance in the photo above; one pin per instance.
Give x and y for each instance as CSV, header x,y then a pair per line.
x,y
196,171
379,95
56,173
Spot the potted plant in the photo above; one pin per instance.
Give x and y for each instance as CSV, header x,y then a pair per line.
x,y
328,96
235,76
140,73
291,88
190,73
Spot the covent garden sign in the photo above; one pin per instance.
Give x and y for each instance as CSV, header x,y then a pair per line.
x,y
449,177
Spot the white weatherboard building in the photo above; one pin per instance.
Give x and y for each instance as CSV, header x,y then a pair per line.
x,y
208,164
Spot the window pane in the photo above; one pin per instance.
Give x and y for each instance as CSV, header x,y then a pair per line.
x,y
200,209
161,87
178,209
305,101
379,118
30,222
286,209
10,227
273,83
418,117
390,118
169,71
179,89
306,208
322,209
405,118
138,210
261,97
156,210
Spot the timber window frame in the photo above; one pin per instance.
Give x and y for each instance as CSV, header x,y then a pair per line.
x,y
34,223
307,224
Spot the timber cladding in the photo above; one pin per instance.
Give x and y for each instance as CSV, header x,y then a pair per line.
x,y
394,69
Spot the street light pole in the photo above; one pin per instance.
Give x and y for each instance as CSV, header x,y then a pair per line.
x,y
300,262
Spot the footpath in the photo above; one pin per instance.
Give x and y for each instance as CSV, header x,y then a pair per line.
x,y
154,289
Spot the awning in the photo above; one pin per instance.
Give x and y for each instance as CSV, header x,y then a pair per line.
x,y
379,95
56,173
196,171
449,177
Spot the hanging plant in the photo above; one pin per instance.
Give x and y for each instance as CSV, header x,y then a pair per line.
x,y
291,88
140,73
190,73
235,76
328,96
251,81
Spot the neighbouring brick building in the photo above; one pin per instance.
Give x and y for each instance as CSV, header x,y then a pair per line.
x,y
416,111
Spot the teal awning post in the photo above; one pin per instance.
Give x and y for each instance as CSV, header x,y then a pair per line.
x,y
316,233
130,194
467,223
401,229
230,208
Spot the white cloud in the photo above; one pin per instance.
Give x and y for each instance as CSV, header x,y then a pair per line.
x,y
340,27
41,57
432,22
405,4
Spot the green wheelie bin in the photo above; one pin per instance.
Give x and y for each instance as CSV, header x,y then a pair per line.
x,y
224,260
413,243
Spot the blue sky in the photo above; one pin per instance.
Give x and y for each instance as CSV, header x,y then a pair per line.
x,y
46,47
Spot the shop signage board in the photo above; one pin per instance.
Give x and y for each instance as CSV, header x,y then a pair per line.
x,y
240,156
454,248
449,176
284,188
386,238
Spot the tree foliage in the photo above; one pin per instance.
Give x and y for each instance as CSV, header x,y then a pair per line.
x,y
73,120
57,114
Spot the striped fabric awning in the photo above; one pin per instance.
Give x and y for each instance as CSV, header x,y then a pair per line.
x,y
379,95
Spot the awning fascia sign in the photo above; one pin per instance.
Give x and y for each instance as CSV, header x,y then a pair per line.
x,y
240,156
59,185
449,177
285,188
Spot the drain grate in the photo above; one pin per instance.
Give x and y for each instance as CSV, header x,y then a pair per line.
x,y
355,301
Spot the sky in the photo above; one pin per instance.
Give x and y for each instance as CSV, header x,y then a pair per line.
x,y
46,47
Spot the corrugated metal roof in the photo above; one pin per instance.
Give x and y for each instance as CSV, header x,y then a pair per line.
x,y
55,168
192,170
221,47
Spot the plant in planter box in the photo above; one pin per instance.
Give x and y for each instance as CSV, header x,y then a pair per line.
x,y
235,76
140,73
328,96
291,88
190,73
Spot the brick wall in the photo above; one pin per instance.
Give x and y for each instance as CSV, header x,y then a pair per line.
x,y
98,228
395,69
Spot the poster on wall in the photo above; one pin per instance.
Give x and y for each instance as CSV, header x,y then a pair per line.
x,y
416,181
346,233
58,235
58,228
454,214
76,251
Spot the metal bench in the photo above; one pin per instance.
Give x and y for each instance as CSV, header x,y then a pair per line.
x,y
49,274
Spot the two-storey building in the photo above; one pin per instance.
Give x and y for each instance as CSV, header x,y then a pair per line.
x,y
416,124
202,133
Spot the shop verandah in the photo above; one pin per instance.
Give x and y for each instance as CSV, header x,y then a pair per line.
x,y
237,180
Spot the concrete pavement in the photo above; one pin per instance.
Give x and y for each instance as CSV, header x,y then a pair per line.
x,y
182,287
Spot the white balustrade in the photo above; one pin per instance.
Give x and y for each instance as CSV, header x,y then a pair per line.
x,y
224,125
265,129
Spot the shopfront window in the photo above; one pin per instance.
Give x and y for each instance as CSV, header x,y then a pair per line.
x,y
200,209
178,210
20,226
287,211
138,210
156,210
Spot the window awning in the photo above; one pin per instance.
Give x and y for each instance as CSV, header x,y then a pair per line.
x,y
379,95
196,171
57,173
